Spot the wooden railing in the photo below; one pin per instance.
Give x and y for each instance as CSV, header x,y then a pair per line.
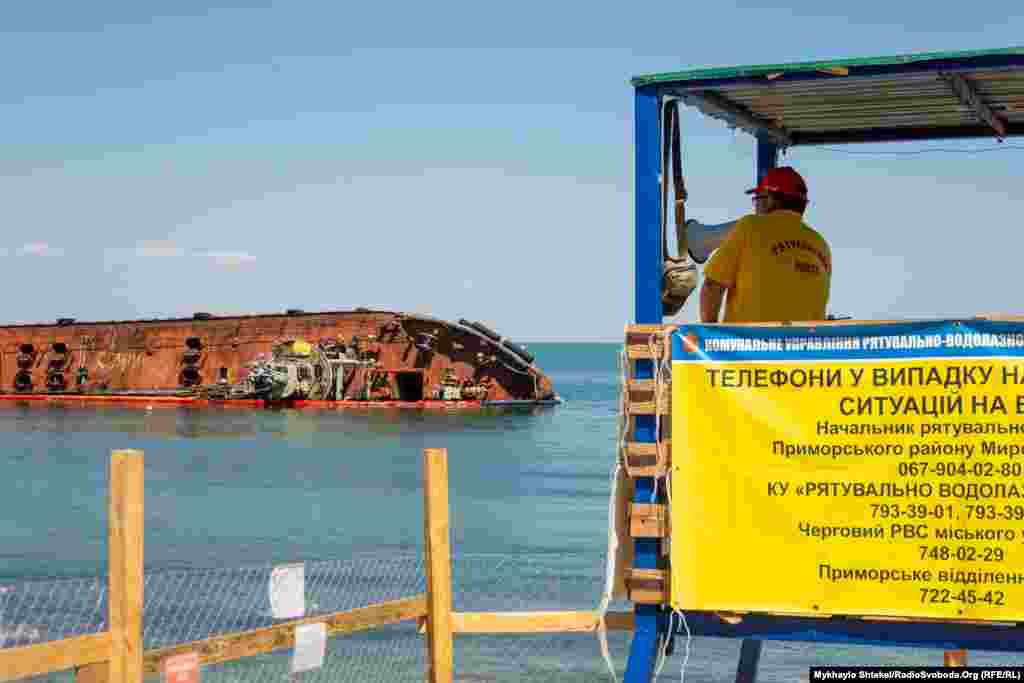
x,y
117,656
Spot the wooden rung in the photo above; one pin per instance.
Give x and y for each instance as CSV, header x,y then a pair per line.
x,y
533,622
52,656
649,408
642,407
641,387
647,586
646,328
640,339
640,390
648,520
642,351
642,459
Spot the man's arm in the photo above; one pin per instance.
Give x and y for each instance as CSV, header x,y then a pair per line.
x,y
722,271
711,295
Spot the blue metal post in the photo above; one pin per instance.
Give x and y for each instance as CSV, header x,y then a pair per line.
x,y
647,289
750,657
767,156
647,258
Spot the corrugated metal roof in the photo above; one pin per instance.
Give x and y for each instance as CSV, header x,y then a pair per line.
x,y
910,97
761,70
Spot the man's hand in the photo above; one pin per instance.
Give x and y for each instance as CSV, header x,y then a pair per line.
x,y
711,295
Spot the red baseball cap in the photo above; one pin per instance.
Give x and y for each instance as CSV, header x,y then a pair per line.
x,y
783,180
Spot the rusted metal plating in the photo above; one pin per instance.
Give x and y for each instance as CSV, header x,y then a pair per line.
x,y
396,356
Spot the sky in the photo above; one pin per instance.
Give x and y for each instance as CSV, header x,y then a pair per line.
x,y
462,160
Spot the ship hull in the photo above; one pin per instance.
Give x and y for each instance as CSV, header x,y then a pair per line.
x,y
395,360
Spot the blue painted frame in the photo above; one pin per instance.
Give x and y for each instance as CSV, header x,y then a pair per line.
x,y
851,631
650,626
651,623
767,157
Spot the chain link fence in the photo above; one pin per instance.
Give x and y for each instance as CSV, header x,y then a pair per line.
x,y
38,611
390,653
187,605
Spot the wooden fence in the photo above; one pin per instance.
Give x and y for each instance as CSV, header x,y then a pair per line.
x,y
117,655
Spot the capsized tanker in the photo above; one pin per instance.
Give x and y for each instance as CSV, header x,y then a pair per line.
x,y
346,358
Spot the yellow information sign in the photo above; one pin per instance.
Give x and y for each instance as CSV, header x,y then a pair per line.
x,y
849,470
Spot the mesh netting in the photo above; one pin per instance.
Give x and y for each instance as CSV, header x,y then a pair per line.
x,y
37,611
183,606
391,653
188,605
492,583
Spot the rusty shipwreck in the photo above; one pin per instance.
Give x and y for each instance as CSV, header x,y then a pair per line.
x,y
342,358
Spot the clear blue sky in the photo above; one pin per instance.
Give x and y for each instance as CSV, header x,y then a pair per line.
x,y
460,159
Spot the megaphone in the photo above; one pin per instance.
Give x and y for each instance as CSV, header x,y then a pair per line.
x,y
703,239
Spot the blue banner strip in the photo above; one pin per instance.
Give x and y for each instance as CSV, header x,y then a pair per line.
x,y
970,338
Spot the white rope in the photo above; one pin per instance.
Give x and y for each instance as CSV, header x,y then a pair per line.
x,y
663,650
652,348
662,376
609,577
686,651
662,380
658,399
666,368
613,540
668,491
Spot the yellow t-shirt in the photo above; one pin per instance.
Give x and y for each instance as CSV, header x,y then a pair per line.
x,y
775,267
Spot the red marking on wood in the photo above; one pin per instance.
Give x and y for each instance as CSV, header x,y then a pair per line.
x,y
182,668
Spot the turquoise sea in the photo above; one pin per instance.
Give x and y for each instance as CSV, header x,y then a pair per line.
x,y
232,492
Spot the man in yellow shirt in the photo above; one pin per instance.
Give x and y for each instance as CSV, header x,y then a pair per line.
x,y
773,266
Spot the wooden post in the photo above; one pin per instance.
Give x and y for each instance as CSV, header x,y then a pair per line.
x,y
439,570
93,673
125,546
954,658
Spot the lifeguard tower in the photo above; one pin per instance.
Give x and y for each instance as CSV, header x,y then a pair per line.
x,y
953,95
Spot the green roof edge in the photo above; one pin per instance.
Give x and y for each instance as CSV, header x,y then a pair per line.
x,y
738,72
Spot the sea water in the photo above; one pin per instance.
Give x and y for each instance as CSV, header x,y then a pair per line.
x,y
230,492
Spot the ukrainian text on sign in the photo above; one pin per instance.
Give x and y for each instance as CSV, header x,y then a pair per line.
x,y
861,470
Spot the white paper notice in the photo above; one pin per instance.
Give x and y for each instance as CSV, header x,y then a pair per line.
x,y
288,592
310,646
